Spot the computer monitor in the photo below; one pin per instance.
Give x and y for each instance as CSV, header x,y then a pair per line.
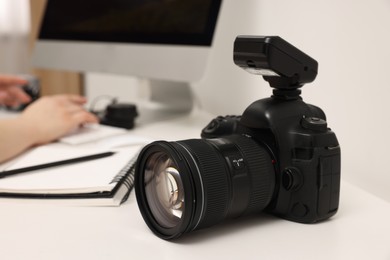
x,y
167,41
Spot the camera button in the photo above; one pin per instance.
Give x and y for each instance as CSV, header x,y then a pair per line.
x,y
299,210
292,179
314,123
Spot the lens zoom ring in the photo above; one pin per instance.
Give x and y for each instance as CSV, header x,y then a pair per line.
x,y
261,172
216,187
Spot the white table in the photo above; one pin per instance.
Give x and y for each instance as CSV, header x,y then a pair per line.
x,y
360,230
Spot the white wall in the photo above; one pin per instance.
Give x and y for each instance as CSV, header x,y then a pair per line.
x,y
350,39
14,36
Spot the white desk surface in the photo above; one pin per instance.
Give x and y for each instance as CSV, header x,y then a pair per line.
x,y
360,230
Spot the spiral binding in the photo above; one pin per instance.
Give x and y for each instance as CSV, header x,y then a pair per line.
x,y
126,177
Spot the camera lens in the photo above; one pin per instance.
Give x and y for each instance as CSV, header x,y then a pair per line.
x,y
192,184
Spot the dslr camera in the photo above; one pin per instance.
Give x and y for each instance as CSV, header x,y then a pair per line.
x,y
279,156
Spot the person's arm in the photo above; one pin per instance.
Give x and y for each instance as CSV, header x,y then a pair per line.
x,y
46,120
10,92
14,138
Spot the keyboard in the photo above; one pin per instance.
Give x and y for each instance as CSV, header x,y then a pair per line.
x,y
91,133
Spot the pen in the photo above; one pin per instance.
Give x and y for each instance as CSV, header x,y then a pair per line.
x,y
54,164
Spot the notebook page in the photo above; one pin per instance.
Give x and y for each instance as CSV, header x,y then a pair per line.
x,y
94,175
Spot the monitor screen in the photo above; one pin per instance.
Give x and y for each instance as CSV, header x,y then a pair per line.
x,y
187,22
154,39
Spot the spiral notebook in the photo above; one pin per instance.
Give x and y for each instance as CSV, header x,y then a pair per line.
x,y
105,181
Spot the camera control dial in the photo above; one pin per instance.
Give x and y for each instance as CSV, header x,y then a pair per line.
x,y
314,123
222,125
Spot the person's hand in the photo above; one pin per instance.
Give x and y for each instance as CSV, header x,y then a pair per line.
x,y
10,92
52,117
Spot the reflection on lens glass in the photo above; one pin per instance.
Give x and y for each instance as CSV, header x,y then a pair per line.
x,y
164,190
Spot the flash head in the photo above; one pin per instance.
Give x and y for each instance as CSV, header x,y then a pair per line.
x,y
280,63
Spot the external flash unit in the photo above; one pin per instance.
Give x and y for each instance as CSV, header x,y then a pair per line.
x,y
280,63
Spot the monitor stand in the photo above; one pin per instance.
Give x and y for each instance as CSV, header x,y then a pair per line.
x,y
167,100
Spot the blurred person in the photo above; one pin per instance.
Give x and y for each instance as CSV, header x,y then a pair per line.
x,y
43,121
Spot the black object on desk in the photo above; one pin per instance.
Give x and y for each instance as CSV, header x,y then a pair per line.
x,y
54,164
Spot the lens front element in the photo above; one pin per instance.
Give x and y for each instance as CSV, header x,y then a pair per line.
x,y
164,190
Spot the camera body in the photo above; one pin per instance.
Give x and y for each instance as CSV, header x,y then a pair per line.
x,y
304,151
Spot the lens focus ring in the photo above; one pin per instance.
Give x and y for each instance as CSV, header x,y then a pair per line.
x,y
262,176
214,178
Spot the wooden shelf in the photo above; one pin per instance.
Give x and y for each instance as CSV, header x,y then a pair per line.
x,y
52,81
